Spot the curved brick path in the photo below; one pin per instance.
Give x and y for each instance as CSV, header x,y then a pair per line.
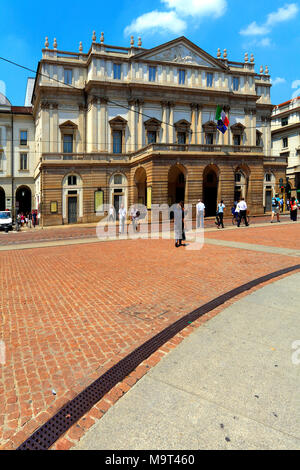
x,y
68,313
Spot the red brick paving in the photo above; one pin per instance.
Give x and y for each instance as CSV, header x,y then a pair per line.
x,y
69,313
38,234
283,236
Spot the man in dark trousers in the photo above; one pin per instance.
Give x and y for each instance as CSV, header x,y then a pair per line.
x,y
242,209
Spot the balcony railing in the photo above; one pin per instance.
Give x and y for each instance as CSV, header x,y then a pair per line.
x,y
154,148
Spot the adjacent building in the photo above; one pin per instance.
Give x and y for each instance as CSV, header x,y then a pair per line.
x,y
133,125
17,156
286,142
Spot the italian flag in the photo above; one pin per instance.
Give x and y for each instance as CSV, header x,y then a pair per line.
x,y
222,119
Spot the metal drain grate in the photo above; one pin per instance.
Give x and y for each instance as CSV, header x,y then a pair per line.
x,y
48,433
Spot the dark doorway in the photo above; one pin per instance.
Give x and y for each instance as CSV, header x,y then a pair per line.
x,y
2,200
237,193
23,200
268,200
210,192
117,203
176,185
72,210
141,186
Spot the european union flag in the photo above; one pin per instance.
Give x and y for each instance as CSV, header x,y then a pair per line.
x,y
221,126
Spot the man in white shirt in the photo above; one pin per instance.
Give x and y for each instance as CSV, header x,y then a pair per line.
x,y
122,218
242,209
200,209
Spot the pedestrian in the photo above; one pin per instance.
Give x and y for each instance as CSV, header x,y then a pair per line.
x,y
287,204
220,214
281,204
179,224
134,214
30,219
294,209
242,209
34,218
111,215
122,218
275,208
26,219
200,213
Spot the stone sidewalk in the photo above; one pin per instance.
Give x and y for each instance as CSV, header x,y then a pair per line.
x,y
231,384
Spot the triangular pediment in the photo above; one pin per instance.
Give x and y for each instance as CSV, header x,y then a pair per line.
x,y
182,51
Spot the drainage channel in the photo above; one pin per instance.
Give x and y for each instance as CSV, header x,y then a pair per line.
x,y
55,427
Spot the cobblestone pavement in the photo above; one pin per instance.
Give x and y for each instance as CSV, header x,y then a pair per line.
x,y
27,235
68,313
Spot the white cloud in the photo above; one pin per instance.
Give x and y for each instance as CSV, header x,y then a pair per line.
x,y
278,81
265,42
296,84
171,21
157,21
254,30
287,12
200,8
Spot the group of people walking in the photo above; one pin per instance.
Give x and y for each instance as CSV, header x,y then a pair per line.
x,y
29,219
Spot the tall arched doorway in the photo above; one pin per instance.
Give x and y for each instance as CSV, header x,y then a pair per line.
x,y
176,184
140,179
23,200
210,190
2,200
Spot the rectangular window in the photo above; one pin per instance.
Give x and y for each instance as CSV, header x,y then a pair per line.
x,y
284,121
285,142
181,137
23,138
152,74
68,143
209,80
0,136
1,161
68,74
117,71
209,139
151,137
117,142
237,140
236,83
181,77
23,161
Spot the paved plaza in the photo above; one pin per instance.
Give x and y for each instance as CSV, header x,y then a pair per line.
x,y
71,311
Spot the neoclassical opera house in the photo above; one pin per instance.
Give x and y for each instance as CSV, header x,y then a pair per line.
x,y
133,125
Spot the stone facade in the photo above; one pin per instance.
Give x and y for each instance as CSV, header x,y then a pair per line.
x,y
286,142
133,125
17,157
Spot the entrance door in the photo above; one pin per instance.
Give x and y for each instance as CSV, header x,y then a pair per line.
x,y
210,193
2,200
268,200
117,204
72,210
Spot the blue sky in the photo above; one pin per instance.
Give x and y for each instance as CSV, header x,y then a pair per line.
x,y
270,30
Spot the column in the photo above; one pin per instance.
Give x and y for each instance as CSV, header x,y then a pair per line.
x,y
171,123
132,147
164,124
94,136
253,126
81,130
248,126
103,124
193,122
45,118
140,125
200,139
54,130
